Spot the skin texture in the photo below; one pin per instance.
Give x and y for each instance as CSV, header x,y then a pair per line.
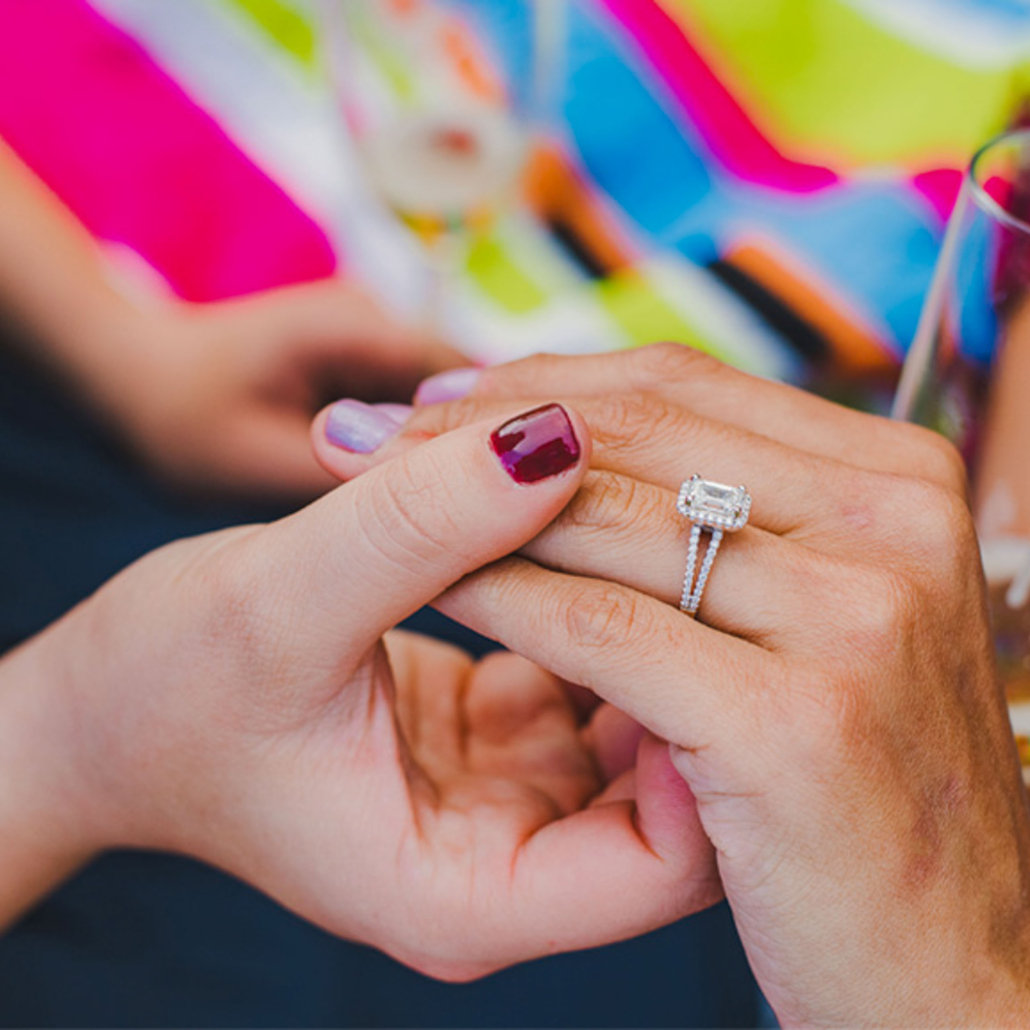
x,y
233,697
834,708
214,397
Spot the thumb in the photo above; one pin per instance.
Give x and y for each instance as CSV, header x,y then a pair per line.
x,y
377,549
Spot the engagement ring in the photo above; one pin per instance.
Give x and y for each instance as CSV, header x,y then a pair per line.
x,y
715,507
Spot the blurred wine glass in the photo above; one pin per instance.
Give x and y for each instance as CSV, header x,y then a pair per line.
x,y
441,99
967,375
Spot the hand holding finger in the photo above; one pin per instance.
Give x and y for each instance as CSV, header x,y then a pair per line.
x,y
435,808
690,379
853,764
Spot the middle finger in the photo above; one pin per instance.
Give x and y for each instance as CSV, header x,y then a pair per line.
x,y
658,442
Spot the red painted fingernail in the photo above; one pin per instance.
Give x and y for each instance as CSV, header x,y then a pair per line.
x,y
536,445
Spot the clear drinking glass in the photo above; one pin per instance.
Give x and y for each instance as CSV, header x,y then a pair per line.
x,y
967,375
441,98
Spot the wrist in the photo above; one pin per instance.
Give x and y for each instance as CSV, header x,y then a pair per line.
x,y
48,817
116,358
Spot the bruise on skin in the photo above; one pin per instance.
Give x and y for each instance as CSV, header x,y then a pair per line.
x,y
939,806
931,790
994,863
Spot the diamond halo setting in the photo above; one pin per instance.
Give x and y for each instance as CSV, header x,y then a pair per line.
x,y
714,505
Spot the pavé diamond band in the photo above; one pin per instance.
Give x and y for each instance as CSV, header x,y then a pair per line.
x,y
718,508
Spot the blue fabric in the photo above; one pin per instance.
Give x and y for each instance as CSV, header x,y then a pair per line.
x,y
155,940
876,240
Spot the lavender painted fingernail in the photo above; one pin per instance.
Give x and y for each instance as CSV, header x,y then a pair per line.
x,y
447,386
358,427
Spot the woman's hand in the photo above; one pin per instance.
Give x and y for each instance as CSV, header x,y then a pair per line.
x,y
834,708
212,396
232,697
220,397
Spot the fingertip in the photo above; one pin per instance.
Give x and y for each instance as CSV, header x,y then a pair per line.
x,y
615,739
339,463
348,435
667,814
546,448
663,777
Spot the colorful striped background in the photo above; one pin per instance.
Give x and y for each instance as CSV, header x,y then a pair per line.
x,y
767,179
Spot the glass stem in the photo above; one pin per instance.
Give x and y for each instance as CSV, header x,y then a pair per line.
x,y
444,255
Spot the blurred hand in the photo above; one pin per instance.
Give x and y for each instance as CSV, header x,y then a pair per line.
x,y
220,396
212,396
232,697
834,708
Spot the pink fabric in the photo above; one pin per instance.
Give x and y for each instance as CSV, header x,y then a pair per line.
x,y
734,139
940,187
139,162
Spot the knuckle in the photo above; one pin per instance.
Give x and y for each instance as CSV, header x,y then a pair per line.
x,y
608,501
937,459
662,363
603,617
624,421
830,706
940,539
410,517
599,502
925,524
882,605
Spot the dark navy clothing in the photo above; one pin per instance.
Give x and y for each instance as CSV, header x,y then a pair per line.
x,y
154,940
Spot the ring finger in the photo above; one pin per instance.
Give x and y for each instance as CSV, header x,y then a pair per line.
x,y
762,588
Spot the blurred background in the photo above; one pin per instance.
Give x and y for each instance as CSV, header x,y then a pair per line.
x,y
767,180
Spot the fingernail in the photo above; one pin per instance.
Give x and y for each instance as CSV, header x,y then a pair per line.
x,y
359,427
447,386
536,445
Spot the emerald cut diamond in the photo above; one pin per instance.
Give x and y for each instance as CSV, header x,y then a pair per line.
x,y
713,504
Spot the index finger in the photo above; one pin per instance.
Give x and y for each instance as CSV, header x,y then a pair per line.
x,y
707,387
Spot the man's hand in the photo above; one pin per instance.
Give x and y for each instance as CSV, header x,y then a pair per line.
x,y
834,708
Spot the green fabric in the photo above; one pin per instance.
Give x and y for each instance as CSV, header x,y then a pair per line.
x,y
286,24
829,79
644,316
494,271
